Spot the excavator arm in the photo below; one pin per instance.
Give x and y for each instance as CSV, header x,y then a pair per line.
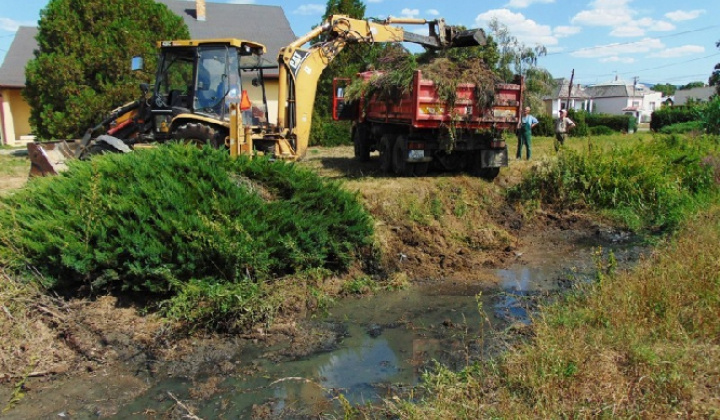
x,y
300,69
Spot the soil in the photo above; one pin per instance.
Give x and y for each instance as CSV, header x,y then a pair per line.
x,y
86,354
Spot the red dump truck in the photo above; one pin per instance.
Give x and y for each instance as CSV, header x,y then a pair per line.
x,y
419,129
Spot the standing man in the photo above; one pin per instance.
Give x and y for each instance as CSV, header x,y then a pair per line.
x,y
562,126
525,132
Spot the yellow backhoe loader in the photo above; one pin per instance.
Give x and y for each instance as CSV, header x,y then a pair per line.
x,y
212,92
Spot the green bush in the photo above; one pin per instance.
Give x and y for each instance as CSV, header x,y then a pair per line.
x,y
581,128
682,128
601,130
617,123
650,186
155,220
669,115
326,132
545,127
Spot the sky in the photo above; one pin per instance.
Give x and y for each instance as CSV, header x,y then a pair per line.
x,y
649,41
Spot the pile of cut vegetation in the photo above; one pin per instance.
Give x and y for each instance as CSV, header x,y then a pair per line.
x,y
396,67
194,228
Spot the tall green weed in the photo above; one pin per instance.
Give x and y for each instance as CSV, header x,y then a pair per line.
x,y
651,186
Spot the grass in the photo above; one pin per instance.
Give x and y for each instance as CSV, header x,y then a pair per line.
x,y
637,344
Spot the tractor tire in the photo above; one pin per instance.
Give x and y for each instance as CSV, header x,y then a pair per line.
x,y
200,134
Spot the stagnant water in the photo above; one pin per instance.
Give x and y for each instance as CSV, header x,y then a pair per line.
x,y
389,341
376,347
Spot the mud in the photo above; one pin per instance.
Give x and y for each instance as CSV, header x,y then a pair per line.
x,y
477,278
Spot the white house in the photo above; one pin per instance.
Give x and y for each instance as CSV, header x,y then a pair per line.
x,y
619,97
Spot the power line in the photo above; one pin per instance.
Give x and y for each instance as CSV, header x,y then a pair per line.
x,y
617,44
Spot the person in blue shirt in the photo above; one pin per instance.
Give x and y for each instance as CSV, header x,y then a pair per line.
x,y
525,133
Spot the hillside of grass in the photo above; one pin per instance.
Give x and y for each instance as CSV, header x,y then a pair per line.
x,y
196,233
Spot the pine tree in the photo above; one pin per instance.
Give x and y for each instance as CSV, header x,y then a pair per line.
x,y
81,70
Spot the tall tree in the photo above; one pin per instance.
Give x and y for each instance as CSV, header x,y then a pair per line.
x,y
81,70
714,79
666,88
514,57
348,63
691,85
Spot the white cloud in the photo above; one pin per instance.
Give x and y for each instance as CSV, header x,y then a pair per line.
x,y
680,15
12,25
409,13
605,13
615,59
310,9
563,31
525,30
644,46
432,12
240,1
521,4
679,51
374,1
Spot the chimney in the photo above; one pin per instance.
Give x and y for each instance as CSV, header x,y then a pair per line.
x,y
200,10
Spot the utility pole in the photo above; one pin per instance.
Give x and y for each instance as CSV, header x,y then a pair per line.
x,y
572,76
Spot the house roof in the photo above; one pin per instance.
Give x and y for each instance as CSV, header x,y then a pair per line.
x,y
619,89
12,71
267,25
562,87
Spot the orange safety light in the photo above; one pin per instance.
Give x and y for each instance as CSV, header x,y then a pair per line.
x,y
245,101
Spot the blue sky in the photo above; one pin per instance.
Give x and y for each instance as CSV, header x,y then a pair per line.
x,y
657,41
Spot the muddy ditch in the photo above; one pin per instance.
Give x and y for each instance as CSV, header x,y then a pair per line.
x,y
477,277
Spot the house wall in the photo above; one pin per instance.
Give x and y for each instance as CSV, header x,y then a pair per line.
x,y
15,117
613,105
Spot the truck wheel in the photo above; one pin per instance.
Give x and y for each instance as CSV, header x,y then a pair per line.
x,y
399,156
199,135
489,173
386,152
360,142
421,168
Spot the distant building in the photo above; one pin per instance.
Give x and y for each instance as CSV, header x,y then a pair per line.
x,y
619,97
699,94
265,24
566,97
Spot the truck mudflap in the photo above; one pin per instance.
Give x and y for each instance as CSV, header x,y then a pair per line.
x,y
494,158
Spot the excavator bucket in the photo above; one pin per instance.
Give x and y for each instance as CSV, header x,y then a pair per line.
x,y
49,158
468,38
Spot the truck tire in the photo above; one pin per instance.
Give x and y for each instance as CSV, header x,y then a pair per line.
x,y
386,152
200,134
399,162
360,143
489,173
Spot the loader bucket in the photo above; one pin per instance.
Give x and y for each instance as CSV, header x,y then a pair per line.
x,y
49,158
469,38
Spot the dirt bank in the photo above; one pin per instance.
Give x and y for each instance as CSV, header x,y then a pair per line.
x,y
79,353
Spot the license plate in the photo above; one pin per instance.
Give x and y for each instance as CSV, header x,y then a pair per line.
x,y
416,154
